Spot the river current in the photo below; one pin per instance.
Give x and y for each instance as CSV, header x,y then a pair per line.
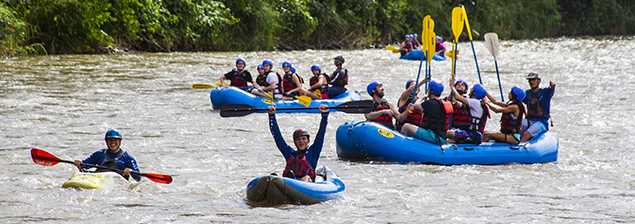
x,y
64,104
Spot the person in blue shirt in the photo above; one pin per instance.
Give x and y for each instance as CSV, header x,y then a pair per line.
x,y
301,163
538,103
113,157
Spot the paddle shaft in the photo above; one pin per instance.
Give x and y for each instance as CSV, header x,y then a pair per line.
x,y
469,32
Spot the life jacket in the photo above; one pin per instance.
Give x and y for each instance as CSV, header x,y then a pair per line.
x,y
323,88
339,78
278,89
384,119
534,108
408,45
287,81
461,117
298,167
109,162
261,80
438,123
412,118
508,124
239,79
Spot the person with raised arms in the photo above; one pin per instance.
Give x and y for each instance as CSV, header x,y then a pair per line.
x,y
113,157
434,124
339,78
301,164
291,82
383,111
406,116
538,103
238,76
273,82
511,119
477,114
461,114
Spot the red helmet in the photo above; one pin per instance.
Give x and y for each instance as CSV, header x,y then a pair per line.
x,y
300,132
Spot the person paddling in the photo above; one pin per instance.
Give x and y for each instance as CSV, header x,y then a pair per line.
x,y
301,163
113,156
239,76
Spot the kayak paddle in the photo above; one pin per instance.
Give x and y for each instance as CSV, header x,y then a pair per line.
x,y
207,86
491,42
45,158
237,110
393,49
304,100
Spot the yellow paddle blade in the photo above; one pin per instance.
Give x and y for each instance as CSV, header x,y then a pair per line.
x,y
318,92
208,86
450,54
457,22
467,24
425,35
393,49
432,48
304,100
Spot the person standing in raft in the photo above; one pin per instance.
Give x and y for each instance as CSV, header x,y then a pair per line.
x,y
112,156
319,84
405,116
434,123
471,133
291,82
273,82
239,76
511,119
383,112
538,103
301,163
339,78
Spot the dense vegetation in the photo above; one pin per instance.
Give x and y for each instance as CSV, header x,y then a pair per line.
x,y
88,26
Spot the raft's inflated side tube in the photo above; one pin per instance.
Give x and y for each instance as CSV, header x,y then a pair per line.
x,y
371,141
276,190
417,54
232,95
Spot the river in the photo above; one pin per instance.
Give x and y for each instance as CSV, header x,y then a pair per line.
x,y
64,104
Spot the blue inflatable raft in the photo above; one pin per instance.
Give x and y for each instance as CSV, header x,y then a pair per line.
x,y
274,190
233,95
371,141
418,54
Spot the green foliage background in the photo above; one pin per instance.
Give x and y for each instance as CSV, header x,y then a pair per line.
x,y
87,26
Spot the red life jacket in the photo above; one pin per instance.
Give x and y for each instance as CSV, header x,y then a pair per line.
x,y
414,117
384,119
508,124
300,167
287,82
323,88
461,117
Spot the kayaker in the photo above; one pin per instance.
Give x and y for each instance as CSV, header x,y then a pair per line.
x,y
460,116
405,116
319,82
434,123
406,46
113,156
339,78
291,82
440,49
301,163
538,103
383,111
239,76
477,113
273,82
511,120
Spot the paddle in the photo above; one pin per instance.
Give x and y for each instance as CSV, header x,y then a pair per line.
x,y
393,49
427,24
469,32
237,110
491,42
207,86
45,158
304,100
457,28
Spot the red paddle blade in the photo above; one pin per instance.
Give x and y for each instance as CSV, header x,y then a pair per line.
x,y
43,157
159,178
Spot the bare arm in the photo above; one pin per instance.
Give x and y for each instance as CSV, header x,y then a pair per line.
x,y
508,109
297,83
501,104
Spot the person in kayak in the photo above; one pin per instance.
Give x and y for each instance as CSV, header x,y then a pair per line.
x,y
538,103
383,111
476,116
113,157
339,78
511,119
301,163
434,123
273,82
239,76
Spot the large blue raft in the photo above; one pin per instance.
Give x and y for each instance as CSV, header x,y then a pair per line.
x,y
417,54
233,95
274,190
371,141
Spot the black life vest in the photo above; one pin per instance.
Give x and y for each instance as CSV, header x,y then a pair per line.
x,y
534,108
339,78
298,167
324,88
438,123
384,119
287,82
261,80
109,162
238,79
508,124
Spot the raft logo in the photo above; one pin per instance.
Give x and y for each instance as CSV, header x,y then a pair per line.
x,y
385,133
267,101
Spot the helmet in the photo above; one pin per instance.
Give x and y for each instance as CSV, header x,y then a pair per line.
x,y
372,86
261,67
300,132
463,81
239,60
267,62
407,36
436,88
112,133
339,58
292,69
316,67
533,76
408,83
286,64
415,35
520,93
439,39
479,91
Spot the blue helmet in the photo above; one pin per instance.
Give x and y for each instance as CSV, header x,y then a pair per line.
x,y
407,36
267,62
436,87
372,86
316,67
408,83
415,35
439,39
520,93
239,60
286,64
464,82
479,91
292,69
112,133
261,67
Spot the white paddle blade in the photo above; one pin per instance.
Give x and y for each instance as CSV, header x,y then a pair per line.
x,y
491,42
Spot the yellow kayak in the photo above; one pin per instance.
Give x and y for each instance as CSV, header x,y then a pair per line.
x,y
105,180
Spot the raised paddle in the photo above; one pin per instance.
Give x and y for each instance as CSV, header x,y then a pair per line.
x,y
469,32
491,42
427,25
45,158
237,110
457,27
207,86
